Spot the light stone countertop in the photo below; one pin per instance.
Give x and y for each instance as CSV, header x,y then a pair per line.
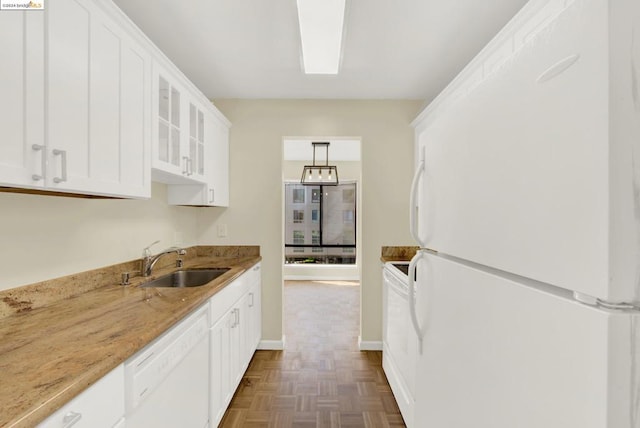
x,y
50,354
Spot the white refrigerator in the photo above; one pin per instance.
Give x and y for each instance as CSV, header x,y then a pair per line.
x,y
526,204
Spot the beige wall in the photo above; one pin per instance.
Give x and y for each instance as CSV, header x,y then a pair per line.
x,y
255,212
44,237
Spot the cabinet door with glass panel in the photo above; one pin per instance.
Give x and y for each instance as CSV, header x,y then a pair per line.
x,y
174,157
197,149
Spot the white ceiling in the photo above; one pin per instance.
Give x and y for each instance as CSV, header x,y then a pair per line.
x,y
393,49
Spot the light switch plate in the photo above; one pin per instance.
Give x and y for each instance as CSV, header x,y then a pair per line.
x,y
222,231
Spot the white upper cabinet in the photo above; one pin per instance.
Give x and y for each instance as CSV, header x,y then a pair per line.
x,y
77,118
209,147
97,105
90,106
218,183
170,155
196,140
22,155
179,132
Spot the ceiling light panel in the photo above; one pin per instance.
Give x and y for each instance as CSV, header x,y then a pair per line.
x,y
321,27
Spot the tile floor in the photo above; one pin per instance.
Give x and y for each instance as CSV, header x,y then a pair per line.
x,y
320,379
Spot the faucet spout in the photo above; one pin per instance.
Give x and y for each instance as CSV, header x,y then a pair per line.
x,y
149,261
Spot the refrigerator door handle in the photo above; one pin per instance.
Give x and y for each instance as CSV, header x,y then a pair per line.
x,y
412,299
413,218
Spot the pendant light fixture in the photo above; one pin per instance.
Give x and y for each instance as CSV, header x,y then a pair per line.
x,y
320,175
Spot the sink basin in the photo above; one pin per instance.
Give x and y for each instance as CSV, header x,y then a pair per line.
x,y
186,278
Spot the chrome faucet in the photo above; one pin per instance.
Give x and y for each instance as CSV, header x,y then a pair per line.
x,y
149,261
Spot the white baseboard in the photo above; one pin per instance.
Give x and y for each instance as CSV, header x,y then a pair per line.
x,y
369,345
320,272
272,345
321,278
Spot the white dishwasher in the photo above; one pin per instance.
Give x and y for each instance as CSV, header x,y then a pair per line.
x,y
167,383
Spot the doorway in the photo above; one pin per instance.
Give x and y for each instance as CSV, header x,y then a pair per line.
x,y
321,228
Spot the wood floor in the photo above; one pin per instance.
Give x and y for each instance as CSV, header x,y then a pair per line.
x,y
320,379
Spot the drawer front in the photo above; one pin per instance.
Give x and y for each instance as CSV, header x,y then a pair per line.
x,y
101,405
220,303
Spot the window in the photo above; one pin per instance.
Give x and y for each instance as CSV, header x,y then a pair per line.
x,y
315,195
332,226
298,237
348,216
298,196
348,195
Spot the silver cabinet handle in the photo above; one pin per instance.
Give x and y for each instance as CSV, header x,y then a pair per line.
x,y
43,162
185,170
251,300
190,166
70,419
63,160
237,316
211,198
256,268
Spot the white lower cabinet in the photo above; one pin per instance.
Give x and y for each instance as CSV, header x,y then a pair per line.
x,y
220,368
184,378
234,335
254,310
101,405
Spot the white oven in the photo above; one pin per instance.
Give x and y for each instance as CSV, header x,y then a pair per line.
x,y
400,343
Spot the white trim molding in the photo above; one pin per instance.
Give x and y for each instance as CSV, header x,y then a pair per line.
x,y
369,345
272,345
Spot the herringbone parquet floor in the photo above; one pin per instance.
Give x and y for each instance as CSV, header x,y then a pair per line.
x,y
320,379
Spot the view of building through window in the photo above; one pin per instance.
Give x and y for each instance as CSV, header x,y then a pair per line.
x,y
320,223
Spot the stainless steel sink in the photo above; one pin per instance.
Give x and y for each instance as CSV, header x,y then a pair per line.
x,y
186,278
